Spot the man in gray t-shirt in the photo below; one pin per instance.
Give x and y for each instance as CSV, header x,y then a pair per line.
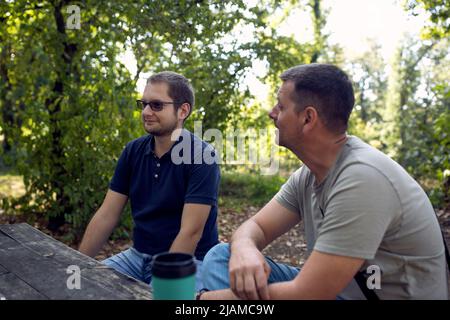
x,y
362,211
369,207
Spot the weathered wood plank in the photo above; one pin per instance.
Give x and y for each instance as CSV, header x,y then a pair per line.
x,y
22,232
42,262
46,276
52,249
117,282
3,270
45,245
14,288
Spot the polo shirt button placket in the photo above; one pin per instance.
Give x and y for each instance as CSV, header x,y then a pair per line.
x,y
158,166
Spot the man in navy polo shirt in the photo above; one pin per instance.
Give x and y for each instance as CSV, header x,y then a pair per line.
x,y
172,190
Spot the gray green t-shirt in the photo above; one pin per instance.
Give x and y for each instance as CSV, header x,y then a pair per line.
x,y
369,207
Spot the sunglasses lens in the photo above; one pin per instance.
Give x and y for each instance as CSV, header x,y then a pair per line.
x,y
156,105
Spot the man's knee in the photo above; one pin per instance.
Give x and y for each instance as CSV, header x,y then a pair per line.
x,y
215,267
217,254
110,262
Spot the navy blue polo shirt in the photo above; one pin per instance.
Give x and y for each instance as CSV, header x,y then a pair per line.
x,y
158,188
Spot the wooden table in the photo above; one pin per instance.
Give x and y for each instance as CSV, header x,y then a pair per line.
x,y
36,266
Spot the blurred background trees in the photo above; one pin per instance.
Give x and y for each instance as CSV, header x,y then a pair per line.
x,y
67,97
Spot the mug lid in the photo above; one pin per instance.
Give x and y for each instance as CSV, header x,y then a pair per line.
x,y
173,265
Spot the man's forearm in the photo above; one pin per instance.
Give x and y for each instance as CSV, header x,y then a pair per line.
x,y
97,233
224,294
277,291
249,233
185,242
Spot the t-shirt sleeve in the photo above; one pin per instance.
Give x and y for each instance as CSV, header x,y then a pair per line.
x,y
203,185
288,195
358,211
120,181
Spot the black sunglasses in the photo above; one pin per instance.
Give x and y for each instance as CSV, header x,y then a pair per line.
x,y
154,105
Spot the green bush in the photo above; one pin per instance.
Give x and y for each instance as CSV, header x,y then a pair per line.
x,y
254,189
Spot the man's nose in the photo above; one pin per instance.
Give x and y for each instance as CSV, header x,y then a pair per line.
x,y
147,110
273,113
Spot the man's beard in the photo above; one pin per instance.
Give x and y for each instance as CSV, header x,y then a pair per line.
x,y
162,131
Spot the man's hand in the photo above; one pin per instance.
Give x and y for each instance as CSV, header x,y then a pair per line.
x,y
249,272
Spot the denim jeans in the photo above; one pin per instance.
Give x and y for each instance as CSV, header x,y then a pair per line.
x,y
215,269
138,265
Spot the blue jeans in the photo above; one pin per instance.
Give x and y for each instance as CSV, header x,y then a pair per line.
x,y
215,269
138,265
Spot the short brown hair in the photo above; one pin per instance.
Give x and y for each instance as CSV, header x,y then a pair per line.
x,y
180,89
327,87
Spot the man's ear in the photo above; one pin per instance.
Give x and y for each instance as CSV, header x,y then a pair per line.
x,y
310,116
183,111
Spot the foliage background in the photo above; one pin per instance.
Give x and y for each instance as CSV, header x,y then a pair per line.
x,y
67,102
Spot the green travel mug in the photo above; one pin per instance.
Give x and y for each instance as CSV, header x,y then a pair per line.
x,y
173,276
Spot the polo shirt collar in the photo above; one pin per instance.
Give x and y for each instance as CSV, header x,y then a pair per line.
x,y
151,144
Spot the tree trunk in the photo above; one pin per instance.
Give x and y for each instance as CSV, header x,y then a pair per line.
x,y
317,25
7,106
53,105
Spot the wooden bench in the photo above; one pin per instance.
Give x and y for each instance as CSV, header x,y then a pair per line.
x,y
36,266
